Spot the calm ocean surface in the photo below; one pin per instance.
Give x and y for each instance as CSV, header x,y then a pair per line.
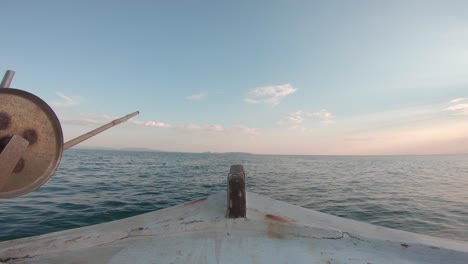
x,y
422,194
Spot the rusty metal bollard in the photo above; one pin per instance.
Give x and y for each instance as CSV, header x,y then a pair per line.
x,y
236,201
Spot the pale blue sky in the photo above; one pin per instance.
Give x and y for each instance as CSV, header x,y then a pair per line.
x,y
287,77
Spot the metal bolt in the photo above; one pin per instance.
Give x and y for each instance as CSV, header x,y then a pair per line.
x,y
30,135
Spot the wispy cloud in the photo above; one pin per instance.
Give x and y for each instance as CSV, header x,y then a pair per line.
x,y
457,100
90,120
251,101
251,131
216,128
458,109
298,117
207,129
97,120
196,127
151,124
298,128
81,122
66,101
269,94
324,115
196,97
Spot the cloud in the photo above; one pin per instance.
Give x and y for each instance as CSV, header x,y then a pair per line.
x,y
459,109
209,128
299,117
151,124
98,120
108,117
324,115
457,100
251,101
269,94
65,102
298,128
81,122
195,97
251,131
216,128
295,117
88,120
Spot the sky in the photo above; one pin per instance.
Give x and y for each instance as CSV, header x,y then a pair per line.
x,y
265,77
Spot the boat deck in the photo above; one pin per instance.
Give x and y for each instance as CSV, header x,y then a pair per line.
x,y
198,232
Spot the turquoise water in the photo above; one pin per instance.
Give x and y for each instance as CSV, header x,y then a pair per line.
x,y
422,194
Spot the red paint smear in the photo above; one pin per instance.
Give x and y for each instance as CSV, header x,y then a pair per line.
x,y
404,245
276,218
196,201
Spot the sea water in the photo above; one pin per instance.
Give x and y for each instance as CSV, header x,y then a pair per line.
x,y
421,194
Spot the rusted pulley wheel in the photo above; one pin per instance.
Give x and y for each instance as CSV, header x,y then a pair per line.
x,y
26,115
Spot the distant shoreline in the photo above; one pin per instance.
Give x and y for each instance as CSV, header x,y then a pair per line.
x,y
248,153
157,150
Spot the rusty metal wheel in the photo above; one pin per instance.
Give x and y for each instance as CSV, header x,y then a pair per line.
x,y
26,115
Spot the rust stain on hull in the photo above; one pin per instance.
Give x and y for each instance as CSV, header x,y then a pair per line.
x,y
196,201
276,218
276,226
